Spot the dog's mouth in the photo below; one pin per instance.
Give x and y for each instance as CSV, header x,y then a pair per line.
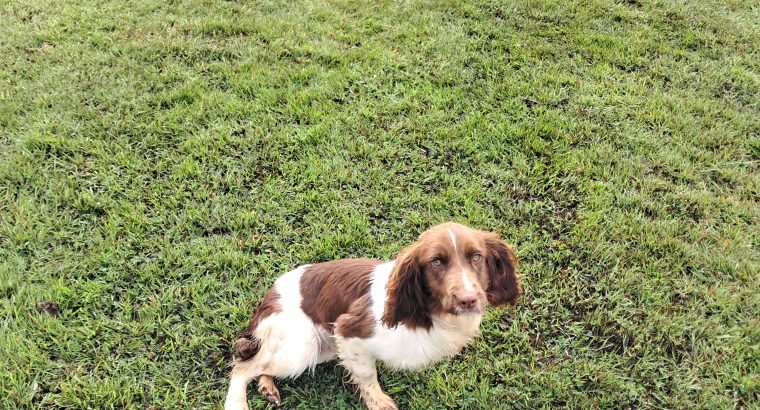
x,y
478,309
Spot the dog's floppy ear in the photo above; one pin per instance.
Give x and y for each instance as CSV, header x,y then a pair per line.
x,y
406,302
503,284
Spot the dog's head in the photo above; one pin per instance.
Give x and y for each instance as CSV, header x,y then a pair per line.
x,y
450,269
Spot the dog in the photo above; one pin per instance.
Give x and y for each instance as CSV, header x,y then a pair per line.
x,y
416,310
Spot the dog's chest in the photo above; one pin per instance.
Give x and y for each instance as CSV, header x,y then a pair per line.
x,y
404,348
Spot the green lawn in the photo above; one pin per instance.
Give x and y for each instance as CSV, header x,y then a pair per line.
x,y
164,161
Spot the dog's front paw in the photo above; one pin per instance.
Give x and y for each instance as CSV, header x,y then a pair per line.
x,y
270,392
381,402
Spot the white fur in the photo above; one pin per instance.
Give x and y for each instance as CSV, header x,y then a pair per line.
x,y
294,342
360,362
453,239
468,286
290,343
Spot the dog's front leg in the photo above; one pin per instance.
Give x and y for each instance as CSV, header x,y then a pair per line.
x,y
363,372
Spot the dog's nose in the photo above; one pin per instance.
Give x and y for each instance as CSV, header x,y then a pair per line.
x,y
466,300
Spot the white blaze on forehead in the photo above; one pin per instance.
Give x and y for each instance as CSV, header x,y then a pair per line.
x,y
465,280
453,238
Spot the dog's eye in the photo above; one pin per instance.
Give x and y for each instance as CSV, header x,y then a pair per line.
x,y
476,257
436,262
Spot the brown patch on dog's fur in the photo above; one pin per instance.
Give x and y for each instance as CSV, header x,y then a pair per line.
x,y
359,321
329,289
247,345
407,293
504,285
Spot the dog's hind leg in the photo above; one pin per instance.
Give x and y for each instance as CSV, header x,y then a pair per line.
x,y
242,374
289,344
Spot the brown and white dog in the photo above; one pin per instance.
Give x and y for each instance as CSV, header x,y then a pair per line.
x,y
424,306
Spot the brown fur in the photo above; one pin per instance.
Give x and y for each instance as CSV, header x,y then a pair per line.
x,y
247,345
329,289
407,290
359,321
504,285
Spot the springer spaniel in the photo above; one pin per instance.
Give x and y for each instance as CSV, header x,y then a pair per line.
x,y
424,306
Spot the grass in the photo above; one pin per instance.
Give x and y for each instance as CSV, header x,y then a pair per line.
x,y
164,161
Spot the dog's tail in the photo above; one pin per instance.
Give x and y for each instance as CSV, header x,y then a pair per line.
x,y
248,344
246,347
